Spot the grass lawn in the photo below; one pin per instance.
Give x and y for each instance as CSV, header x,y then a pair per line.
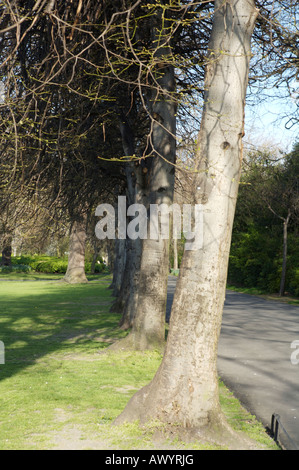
x,y
59,387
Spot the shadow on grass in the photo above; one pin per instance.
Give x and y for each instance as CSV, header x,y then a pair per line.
x,y
42,318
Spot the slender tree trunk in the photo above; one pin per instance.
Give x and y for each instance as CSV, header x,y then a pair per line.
x,y
120,259
110,254
16,242
76,261
175,255
284,255
184,390
94,259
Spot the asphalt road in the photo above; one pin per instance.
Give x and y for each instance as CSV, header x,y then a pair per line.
x,y
256,359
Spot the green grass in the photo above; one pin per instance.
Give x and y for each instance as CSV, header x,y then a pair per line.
x,y
34,276
241,420
59,387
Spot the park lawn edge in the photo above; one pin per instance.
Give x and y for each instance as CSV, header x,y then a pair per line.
x,y
40,411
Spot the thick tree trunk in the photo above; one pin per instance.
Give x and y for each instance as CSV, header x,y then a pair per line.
x,y
150,288
119,266
185,388
130,256
122,280
76,261
130,285
7,250
284,254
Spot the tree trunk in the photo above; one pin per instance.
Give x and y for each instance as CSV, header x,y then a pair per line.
x,y
131,255
76,261
94,258
175,255
6,250
284,255
184,390
122,279
119,266
130,284
128,292
150,290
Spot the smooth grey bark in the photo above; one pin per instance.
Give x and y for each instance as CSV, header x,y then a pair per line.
x,y
76,260
184,391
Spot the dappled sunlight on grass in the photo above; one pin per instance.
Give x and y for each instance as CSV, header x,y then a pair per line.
x,y
60,386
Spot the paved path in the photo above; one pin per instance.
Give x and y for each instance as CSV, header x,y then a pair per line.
x,y
254,358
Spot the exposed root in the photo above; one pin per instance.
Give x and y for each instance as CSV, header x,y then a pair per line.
x,y
133,342
221,437
216,433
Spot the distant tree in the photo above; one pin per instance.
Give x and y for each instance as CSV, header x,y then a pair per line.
x,y
268,194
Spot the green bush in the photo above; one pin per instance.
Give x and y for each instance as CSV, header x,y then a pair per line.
x,y
27,260
294,283
51,265
19,268
99,268
255,260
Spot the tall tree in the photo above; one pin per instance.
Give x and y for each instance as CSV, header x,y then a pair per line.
x,y
61,114
267,208
185,388
149,321
164,47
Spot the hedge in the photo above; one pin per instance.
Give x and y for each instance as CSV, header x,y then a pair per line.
x,y
45,264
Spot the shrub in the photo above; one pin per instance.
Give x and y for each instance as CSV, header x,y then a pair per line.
x,y
19,268
255,260
294,283
99,268
50,264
